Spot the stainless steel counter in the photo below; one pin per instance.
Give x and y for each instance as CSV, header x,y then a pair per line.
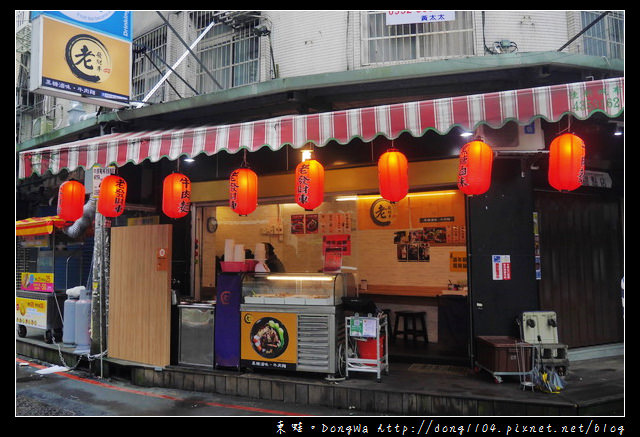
x,y
196,324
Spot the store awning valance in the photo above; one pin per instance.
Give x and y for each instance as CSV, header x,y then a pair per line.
x,y
39,225
581,99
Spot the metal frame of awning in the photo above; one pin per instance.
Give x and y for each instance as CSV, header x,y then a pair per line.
x,y
580,99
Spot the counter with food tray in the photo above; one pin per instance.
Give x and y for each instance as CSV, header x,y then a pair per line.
x,y
294,321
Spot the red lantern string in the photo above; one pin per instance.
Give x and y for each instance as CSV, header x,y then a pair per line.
x,y
243,191
393,175
309,184
474,168
176,195
71,200
566,162
112,197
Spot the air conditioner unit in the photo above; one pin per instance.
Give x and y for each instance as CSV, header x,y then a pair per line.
x,y
41,126
513,136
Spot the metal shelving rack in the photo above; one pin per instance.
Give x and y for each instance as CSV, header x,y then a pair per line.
x,y
359,328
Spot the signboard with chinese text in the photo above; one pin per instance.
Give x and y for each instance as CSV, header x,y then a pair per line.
x,y
79,63
409,17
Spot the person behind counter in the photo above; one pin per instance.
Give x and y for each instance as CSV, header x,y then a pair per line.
x,y
272,261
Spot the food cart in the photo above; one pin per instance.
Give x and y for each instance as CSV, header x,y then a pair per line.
x,y
45,268
294,321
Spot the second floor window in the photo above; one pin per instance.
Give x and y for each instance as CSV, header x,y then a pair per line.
x,y
149,55
606,37
384,43
230,54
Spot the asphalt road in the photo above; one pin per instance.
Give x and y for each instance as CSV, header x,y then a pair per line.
x,y
78,393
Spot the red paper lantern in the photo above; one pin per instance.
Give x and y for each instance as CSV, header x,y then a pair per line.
x,y
393,175
309,184
474,168
176,195
70,201
113,193
243,191
566,162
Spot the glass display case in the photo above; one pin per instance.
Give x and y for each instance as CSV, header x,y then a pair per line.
x,y
298,288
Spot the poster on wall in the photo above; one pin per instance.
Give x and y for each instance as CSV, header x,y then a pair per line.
x,y
339,241
501,267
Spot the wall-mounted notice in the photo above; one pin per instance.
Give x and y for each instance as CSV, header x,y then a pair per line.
x,y
501,267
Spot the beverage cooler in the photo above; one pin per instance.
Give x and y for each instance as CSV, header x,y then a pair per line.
x,y
294,321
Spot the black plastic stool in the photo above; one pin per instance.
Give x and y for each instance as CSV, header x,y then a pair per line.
x,y
412,316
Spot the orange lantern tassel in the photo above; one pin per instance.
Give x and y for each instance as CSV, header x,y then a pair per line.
x,y
474,168
176,195
309,184
393,175
70,200
243,191
113,194
566,162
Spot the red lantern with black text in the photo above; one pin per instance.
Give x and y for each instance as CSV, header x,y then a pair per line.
x,y
70,200
566,162
113,194
393,175
176,195
474,168
243,191
309,184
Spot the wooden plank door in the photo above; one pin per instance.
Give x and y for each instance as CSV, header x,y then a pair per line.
x,y
140,294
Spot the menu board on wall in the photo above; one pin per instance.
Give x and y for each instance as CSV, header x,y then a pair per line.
x,y
329,223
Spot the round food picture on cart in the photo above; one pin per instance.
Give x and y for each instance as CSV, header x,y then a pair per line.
x,y
269,337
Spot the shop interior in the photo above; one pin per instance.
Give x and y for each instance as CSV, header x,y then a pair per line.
x,y
404,256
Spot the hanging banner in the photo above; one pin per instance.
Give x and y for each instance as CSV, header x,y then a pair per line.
x,y
501,267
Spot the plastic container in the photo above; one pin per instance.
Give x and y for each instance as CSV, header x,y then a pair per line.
x,y
367,349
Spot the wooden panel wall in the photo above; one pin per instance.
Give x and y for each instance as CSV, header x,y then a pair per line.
x,y
140,295
582,264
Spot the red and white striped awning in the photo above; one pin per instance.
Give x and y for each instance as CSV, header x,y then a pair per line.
x,y
580,99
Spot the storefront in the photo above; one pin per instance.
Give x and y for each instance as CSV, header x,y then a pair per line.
x,y
431,252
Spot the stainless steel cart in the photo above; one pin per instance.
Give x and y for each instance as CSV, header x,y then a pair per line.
x,y
370,331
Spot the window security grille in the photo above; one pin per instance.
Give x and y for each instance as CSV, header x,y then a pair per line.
x,y
419,41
